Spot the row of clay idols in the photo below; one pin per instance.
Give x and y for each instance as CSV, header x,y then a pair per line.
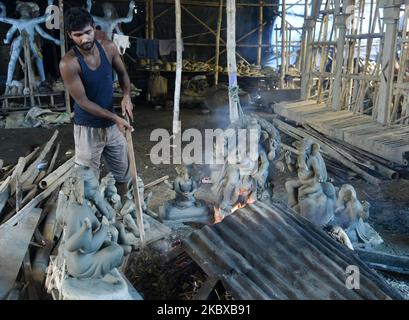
x,y
311,193
313,196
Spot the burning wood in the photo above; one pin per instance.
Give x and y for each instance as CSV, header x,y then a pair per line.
x,y
246,181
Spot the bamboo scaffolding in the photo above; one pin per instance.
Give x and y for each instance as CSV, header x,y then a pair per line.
x,y
215,4
238,41
210,30
199,34
155,18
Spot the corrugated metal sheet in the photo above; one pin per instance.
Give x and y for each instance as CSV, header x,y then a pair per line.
x,y
269,252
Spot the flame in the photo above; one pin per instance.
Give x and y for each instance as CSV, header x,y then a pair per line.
x,y
218,217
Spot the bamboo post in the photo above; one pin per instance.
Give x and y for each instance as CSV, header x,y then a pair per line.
x,y
151,20
283,48
391,18
402,63
176,104
358,84
219,25
276,46
371,30
340,22
304,39
62,47
288,47
147,16
260,32
309,24
323,52
231,60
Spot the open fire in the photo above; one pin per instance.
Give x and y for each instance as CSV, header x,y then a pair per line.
x,y
244,196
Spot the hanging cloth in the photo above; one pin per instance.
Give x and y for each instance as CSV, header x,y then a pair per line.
x,y
122,42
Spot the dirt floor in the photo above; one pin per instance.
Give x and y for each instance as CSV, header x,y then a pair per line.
x,y
162,271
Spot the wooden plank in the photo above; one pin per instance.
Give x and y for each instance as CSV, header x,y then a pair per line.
x,y
328,121
339,130
328,127
330,115
282,108
299,114
15,238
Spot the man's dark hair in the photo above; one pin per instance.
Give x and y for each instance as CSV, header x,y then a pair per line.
x,y
76,19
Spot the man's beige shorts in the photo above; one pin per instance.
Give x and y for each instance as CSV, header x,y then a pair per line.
x,y
110,143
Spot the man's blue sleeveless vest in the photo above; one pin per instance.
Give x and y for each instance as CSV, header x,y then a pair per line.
x,y
98,88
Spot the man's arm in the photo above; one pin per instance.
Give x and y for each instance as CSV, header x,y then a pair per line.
x,y
123,79
73,83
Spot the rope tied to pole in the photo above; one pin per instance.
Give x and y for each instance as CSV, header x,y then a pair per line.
x,y
234,94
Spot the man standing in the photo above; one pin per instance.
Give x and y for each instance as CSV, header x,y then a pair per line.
x,y
87,71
